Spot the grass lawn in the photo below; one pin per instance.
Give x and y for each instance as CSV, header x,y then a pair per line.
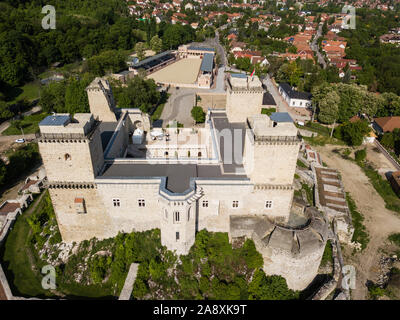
x,y
18,258
321,140
360,232
157,113
30,124
29,92
382,186
22,264
327,256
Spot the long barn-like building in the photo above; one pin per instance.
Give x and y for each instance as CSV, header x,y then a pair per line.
x,y
204,75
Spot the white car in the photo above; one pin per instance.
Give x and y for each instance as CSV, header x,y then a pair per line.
x,y
20,140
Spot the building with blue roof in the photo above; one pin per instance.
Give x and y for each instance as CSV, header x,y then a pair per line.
x,y
55,120
281,117
207,64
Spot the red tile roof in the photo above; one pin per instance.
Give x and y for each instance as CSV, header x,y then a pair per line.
x,y
10,207
388,124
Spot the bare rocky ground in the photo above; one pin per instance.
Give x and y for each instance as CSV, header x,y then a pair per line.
x,y
379,221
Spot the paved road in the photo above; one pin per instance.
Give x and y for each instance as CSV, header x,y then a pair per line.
x,y
314,47
20,136
6,124
179,106
220,48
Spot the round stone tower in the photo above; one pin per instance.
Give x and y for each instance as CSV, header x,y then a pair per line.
x,y
293,253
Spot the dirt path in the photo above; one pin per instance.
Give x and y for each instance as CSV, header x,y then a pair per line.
x,y
379,221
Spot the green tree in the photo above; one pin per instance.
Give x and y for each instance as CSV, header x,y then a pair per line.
x,y
156,44
327,107
198,114
76,99
140,50
270,288
291,73
353,132
52,97
252,257
3,171
139,93
390,105
360,155
5,112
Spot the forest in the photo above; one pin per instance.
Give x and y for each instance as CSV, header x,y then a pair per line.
x,y
97,35
380,62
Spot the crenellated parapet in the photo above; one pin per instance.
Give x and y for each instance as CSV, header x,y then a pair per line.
x,y
293,253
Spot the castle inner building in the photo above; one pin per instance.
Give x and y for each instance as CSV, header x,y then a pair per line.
x,y
109,171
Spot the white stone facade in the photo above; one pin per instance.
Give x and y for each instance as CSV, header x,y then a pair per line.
x,y
98,191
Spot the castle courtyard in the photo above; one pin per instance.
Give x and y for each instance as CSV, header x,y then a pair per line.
x,y
184,71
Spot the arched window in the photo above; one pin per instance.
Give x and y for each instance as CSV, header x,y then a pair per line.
x,y
199,155
67,156
176,216
166,153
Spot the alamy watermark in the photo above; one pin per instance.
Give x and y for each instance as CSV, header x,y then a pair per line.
x,y
49,280
49,20
349,277
349,21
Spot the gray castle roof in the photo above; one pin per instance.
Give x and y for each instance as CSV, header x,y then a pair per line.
x,y
207,62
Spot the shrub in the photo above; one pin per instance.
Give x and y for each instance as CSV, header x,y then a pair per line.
x,y
360,232
360,155
376,291
265,287
395,239
268,111
327,256
198,114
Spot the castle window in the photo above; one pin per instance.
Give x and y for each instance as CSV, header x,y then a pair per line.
x,y
235,204
268,204
67,156
205,203
80,205
199,155
141,203
177,236
116,202
166,153
176,216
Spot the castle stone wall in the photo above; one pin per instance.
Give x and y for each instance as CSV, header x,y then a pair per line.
x,y
272,162
129,216
242,104
96,222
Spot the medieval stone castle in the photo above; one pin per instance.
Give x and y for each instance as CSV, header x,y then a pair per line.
x,y
110,171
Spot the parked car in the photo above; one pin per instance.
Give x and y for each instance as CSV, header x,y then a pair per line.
x,y
20,140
